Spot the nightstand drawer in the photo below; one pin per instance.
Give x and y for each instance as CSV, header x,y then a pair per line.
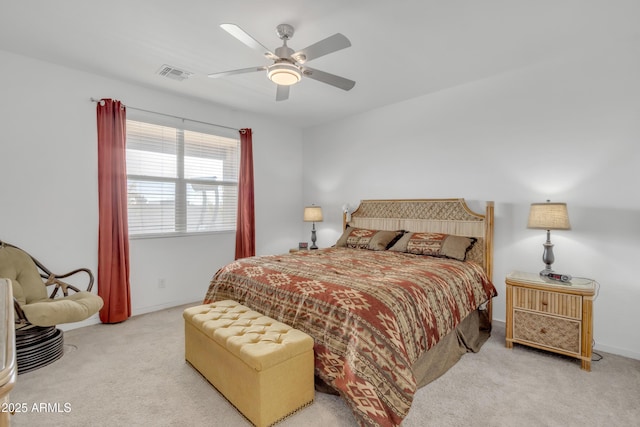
x,y
548,331
565,305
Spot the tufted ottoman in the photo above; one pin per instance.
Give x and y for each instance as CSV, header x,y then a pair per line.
x,y
263,367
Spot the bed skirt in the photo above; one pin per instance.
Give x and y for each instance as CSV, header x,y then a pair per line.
x,y
469,336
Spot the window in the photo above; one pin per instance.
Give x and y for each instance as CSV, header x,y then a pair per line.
x,y
180,181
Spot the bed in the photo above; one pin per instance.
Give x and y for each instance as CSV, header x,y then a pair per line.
x,y
400,297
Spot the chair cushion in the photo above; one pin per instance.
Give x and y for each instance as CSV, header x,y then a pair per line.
x,y
74,308
17,265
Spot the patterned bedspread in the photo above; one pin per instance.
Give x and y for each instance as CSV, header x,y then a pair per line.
x,y
372,314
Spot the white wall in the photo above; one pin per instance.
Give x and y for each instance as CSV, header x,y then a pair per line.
x,y
48,180
567,130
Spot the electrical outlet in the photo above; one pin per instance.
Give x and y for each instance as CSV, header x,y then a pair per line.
x,y
162,283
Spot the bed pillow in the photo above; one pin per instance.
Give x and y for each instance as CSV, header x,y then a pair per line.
x,y
457,247
401,244
383,240
362,238
435,244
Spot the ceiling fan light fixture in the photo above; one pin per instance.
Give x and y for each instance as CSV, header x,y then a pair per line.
x,y
284,74
288,65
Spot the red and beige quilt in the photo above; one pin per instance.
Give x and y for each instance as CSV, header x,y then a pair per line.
x,y
372,314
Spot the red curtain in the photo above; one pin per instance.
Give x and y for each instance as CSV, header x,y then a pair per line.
x,y
113,238
246,222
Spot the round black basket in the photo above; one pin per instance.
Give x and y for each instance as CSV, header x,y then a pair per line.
x,y
37,346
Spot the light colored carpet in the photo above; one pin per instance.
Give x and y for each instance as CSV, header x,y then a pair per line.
x,y
134,374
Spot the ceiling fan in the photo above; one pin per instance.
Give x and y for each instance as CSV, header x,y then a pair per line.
x,y
288,66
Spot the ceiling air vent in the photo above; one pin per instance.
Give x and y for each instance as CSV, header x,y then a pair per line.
x,y
174,73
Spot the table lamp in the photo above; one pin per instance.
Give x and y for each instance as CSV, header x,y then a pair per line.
x,y
548,216
313,214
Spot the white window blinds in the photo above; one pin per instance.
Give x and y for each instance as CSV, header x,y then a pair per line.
x,y
180,181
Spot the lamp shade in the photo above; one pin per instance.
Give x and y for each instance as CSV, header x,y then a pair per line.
x,y
549,216
312,214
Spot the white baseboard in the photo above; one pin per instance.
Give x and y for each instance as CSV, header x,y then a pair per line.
x,y
95,319
499,326
618,351
143,310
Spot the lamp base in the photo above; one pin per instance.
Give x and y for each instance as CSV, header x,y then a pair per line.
x,y
547,256
313,237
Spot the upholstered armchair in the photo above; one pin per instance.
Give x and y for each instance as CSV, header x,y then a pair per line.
x,y
37,312
31,302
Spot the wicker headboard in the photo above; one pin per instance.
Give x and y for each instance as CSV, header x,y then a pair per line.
x,y
450,216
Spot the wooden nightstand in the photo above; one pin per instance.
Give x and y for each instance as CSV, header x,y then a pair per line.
x,y
550,315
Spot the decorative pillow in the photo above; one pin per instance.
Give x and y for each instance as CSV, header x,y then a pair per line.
x,y
435,244
401,244
457,247
342,241
362,238
383,240
425,243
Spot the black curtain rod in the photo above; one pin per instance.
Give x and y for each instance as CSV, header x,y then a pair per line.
x,y
175,117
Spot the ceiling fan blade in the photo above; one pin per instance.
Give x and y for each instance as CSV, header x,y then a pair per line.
x,y
240,71
282,94
245,38
328,78
323,47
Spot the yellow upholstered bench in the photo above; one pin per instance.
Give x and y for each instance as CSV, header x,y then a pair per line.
x,y
263,367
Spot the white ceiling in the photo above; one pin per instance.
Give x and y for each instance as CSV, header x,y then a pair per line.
x,y
400,49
